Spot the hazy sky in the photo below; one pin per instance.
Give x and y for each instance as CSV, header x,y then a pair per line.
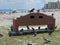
x,y
23,4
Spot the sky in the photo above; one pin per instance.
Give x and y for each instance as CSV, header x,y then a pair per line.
x,y
23,4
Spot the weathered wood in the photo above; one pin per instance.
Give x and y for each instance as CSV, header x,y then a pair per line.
x,y
34,19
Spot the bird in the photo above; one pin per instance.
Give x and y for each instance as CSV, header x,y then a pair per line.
x,y
21,30
38,10
11,28
27,27
31,10
39,27
1,35
46,40
55,27
34,33
29,44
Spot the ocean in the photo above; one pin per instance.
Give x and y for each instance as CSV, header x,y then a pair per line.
x,y
10,10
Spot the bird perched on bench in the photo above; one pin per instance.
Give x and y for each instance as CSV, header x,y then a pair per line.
x,y
34,33
55,27
11,28
27,27
31,10
46,40
38,10
21,29
39,27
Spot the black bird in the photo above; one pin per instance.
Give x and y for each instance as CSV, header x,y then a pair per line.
x,y
46,40
11,28
39,27
27,27
21,30
38,10
55,27
31,10
29,44
34,33
1,35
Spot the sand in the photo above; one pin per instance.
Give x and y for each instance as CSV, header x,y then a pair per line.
x,y
7,19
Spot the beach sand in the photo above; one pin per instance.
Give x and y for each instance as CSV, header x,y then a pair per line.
x,y
7,19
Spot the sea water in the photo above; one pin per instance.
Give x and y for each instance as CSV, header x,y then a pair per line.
x,y
10,10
